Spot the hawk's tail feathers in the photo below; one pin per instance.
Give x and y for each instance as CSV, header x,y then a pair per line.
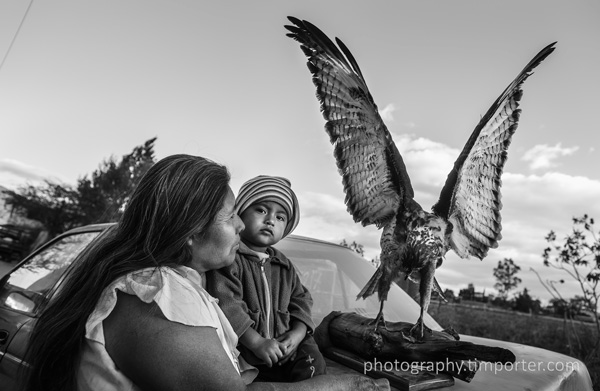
x,y
371,286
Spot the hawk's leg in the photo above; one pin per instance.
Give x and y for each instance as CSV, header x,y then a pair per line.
x,y
426,285
379,319
417,332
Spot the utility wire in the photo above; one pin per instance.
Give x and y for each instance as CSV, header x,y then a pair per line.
x,y
15,36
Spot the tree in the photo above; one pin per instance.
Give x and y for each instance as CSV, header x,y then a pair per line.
x,y
525,303
95,199
578,257
53,205
449,295
354,247
505,274
102,197
561,307
358,248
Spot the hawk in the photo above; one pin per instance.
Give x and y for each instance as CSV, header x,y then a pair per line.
x,y
466,218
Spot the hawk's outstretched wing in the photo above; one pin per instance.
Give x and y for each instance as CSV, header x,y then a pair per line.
x,y
374,175
470,199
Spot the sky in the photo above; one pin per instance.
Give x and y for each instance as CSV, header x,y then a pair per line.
x,y
83,81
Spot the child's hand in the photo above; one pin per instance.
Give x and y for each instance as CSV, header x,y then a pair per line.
x,y
290,342
269,351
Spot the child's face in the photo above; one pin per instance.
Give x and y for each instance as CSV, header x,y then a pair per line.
x,y
265,223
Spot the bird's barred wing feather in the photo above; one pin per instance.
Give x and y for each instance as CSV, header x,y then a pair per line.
x,y
374,175
470,199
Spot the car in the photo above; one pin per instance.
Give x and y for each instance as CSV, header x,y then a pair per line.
x,y
333,274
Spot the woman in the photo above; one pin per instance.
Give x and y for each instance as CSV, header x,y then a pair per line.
x,y
133,315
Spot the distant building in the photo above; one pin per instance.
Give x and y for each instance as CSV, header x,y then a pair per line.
x,y
470,294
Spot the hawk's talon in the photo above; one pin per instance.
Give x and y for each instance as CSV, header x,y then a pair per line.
x,y
409,337
417,332
379,322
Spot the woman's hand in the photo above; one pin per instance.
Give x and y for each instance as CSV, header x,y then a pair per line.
x,y
366,383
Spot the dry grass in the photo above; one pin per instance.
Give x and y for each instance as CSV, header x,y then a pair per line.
x,y
571,338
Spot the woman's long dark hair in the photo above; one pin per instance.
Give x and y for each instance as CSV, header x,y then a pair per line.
x,y
178,197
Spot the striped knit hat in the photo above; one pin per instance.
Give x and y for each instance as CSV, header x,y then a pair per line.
x,y
270,188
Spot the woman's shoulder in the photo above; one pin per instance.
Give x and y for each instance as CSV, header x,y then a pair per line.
x,y
177,291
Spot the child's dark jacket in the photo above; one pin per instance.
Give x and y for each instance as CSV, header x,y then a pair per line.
x,y
240,290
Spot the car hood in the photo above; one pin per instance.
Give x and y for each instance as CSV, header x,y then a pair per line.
x,y
534,369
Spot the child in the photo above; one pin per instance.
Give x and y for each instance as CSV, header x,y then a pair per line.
x,y
261,293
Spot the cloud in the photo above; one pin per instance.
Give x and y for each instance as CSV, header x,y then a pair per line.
x,y
543,156
386,112
325,217
428,162
14,173
533,205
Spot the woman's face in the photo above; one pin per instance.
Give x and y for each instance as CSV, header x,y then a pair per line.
x,y
217,247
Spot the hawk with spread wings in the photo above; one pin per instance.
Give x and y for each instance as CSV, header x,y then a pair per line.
x,y
466,218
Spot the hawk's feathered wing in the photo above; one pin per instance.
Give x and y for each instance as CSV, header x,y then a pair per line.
x,y
470,199
374,175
